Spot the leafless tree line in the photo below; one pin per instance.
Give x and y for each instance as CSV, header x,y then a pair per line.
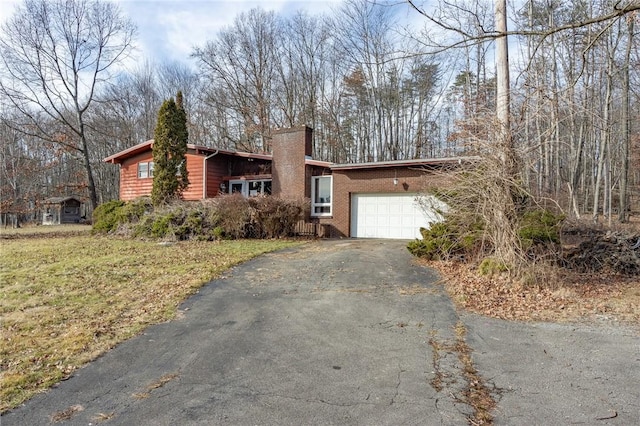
x,y
374,85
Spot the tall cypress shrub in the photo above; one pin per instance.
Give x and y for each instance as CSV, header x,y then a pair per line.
x,y
170,177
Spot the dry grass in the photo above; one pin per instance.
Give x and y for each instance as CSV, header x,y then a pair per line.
x,y
66,414
40,231
64,300
474,392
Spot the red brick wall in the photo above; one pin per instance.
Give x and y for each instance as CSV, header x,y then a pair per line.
x,y
291,178
347,182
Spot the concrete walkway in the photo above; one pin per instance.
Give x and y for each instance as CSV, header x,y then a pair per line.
x,y
343,332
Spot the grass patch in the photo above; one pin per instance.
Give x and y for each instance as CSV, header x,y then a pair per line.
x,y
38,231
64,300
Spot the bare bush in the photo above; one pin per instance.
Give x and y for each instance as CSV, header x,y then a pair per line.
x,y
273,217
232,213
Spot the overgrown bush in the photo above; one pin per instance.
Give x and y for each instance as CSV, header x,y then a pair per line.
x,y
106,216
162,226
273,217
179,221
491,266
539,226
232,213
229,216
133,211
447,239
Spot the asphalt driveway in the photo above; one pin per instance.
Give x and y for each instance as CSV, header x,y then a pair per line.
x,y
343,332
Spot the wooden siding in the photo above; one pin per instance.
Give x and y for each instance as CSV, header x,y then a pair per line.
x,y
216,168
195,164
131,187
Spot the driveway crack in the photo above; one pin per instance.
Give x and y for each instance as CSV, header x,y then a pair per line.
x,y
474,392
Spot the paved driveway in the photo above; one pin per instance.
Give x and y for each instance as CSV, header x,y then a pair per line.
x,y
342,332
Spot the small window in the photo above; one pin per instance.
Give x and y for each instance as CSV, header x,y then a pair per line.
x,y
145,170
321,196
259,187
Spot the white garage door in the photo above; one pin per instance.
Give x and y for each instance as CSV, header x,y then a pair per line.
x,y
391,215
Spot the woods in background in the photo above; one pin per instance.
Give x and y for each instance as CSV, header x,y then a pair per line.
x,y
376,81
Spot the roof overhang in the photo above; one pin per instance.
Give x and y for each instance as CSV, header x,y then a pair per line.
x,y
58,200
199,150
419,162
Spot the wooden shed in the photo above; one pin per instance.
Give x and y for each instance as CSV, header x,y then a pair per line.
x,y
60,210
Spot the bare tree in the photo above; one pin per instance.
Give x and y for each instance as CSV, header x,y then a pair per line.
x,y
626,124
549,113
240,65
55,53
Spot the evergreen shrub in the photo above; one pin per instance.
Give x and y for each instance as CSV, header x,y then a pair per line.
x,y
106,216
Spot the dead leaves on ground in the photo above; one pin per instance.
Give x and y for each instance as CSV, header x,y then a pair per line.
x,y
568,296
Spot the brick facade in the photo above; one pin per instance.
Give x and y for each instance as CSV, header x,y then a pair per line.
x,y
291,176
373,180
291,169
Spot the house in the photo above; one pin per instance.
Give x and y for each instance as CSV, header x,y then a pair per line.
x,y
61,210
370,200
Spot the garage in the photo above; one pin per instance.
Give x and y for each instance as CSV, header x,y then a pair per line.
x,y
396,216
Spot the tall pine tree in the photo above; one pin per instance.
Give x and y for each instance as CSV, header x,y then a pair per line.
x,y
170,176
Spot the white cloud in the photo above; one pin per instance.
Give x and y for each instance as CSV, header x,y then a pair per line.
x,y
170,29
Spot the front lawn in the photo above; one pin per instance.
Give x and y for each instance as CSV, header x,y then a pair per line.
x,y
65,299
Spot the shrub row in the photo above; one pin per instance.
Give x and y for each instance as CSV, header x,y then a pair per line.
x,y
463,235
229,217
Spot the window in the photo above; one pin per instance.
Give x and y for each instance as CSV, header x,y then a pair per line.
x,y
71,210
251,188
321,195
145,170
259,187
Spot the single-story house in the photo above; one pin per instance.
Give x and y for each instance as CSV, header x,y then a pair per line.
x,y
62,210
370,200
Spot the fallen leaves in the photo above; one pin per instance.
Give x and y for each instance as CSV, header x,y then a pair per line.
x,y
569,296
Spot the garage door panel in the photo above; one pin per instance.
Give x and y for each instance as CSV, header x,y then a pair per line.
x,y
390,216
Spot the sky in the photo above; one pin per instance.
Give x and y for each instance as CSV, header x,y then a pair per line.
x,y
169,29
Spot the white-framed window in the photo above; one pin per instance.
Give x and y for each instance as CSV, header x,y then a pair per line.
x,y
321,196
145,170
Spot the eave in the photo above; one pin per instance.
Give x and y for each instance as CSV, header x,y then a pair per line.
x,y
406,163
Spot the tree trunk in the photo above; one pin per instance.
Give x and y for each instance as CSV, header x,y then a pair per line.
x,y
605,140
622,206
503,222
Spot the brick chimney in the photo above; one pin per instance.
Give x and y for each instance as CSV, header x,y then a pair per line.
x,y
291,177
